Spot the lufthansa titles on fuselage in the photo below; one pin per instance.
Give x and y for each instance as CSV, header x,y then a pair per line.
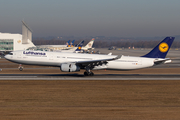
x,y
41,54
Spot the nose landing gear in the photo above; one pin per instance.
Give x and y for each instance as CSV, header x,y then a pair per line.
x,y
20,67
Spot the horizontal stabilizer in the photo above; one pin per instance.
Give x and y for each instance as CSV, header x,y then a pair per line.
x,y
160,61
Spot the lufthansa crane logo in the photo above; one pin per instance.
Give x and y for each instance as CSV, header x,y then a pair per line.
x,y
163,47
79,48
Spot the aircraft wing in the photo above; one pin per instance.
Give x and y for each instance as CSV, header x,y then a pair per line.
x,y
92,63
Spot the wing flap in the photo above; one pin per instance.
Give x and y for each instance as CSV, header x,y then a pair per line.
x,y
99,60
92,63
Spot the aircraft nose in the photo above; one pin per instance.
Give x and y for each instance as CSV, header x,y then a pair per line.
x,y
6,56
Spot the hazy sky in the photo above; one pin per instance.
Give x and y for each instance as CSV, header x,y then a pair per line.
x,y
123,18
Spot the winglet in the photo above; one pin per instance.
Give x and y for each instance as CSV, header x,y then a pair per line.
x,y
161,50
119,56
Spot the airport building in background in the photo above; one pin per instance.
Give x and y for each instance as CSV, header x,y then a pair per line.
x,y
12,42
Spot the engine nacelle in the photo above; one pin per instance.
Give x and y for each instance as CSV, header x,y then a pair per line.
x,y
69,68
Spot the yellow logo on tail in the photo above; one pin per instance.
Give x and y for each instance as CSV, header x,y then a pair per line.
x,y
163,47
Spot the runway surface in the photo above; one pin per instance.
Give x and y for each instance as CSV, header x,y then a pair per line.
x,y
96,77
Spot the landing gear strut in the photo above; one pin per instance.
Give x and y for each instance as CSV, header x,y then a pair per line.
x,y
88,72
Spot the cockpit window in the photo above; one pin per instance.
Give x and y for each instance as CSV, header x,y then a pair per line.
x,y
10,53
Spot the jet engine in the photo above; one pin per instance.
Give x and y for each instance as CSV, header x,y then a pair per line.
x,y
69,68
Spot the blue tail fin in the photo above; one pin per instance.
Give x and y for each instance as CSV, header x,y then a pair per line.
x,y
68,43
72,43
161,50
80,46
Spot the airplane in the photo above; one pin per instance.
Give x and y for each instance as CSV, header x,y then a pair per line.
x,y
74,49
85,48
72,62
89,45
51,47
70,44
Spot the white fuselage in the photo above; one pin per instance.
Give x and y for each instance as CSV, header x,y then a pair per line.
x,y
57,58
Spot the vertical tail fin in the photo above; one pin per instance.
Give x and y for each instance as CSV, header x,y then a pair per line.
x,y
161,50
90,44
68,43
72,43
26,33
79,46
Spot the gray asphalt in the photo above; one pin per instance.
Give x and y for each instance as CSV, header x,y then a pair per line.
x,y
95,77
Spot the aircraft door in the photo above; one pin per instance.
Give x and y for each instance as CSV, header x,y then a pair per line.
x,y
19,55
139,62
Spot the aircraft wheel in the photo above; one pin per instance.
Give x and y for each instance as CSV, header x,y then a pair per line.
x,y
91,74
85,73
88,74
20,68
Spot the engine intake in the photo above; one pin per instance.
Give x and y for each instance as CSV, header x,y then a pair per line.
x,y
69,68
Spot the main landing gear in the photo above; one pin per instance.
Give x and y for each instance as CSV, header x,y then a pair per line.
x,y
88,72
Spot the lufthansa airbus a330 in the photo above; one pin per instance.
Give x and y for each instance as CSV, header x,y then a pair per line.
x,y
71,62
